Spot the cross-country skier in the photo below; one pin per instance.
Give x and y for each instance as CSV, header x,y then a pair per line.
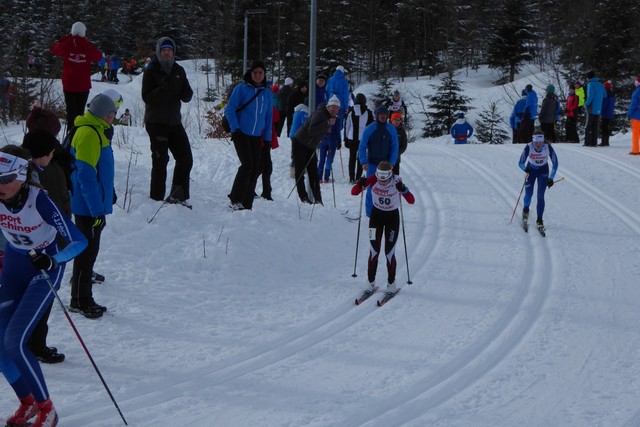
x,y
386,189
30,221
534,161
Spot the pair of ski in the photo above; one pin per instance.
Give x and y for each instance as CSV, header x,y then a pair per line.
x,y
387,296
540,227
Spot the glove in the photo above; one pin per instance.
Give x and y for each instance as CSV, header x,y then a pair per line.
x,y
99,222
362,181
549,183
235,136
401,187
527,169
115,197
347,143
43,262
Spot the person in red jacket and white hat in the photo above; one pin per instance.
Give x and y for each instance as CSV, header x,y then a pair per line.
x,y
78,53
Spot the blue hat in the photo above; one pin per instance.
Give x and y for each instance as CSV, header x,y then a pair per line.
x,y
382,109
460,115
167,44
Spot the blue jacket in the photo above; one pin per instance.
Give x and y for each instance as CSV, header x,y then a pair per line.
x,y
609,105
321,95
339,86
516,114
531,105
461,131
595,95
379,143
634,105
92,177
300,115
256,118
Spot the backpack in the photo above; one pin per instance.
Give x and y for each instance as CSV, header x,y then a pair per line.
x,y
64,156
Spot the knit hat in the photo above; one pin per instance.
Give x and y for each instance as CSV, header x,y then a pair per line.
x,y
396,116
275,88
551,89
637,82
288,81
341,68
101,106
78,29
258,64
333,101
528,88
460,115
361,99
607,85
322,76
591,74
39,118
168,44
40,143
382,109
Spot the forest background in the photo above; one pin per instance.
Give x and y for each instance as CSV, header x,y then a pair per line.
x,y
372,39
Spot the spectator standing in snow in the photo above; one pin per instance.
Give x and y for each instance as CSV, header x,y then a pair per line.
x,y
608,112
549,114
26,292
164,88
593,104
384,219
534,161
321,90
461,130
358,118
379,143
529,115
633,115
397,105
516,117
339,86
283,108
330,143
570,125
305,142
114,66
249,126
78,54
92,199
5,86
403,140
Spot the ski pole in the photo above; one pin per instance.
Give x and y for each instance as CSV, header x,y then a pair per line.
x,y
301,174
518,201
333,188
341,163
559,179
404,238
32,254
355,263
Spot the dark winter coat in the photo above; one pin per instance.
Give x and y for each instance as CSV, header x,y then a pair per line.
x,y
283,99
609,105
315,128
163,93
296,98
549,109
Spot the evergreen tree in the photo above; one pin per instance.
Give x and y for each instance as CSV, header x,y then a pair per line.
x,y
443,105
384,92
513,37
490,128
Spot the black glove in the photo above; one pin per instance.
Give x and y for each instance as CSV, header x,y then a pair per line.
x,y
401,187
99,222
235,136
527,169
115,196
362,181
43,262
347,143
549,183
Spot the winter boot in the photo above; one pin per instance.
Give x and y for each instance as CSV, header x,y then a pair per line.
x,y
25,412
47,416
391,288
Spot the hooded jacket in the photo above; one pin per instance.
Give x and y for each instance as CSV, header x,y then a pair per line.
x,y
314,129
256,118
93,175
379,143
358,118
77,53
337,85
300,115
163,92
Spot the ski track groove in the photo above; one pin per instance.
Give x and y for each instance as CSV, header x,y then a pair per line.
x,y
600,156
487,352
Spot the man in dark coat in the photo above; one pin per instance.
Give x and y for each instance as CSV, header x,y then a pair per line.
x,y
164,88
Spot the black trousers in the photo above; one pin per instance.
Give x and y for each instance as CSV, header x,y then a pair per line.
x,y
526,130
549,130
265,170
304,156
571,130
81,284
591,131
355,168
387,223
244,185
165,139
605,131
75,103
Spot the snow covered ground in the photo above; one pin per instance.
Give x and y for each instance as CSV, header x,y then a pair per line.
x,y
220,318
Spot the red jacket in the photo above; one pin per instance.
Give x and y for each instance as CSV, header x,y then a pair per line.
x,y
274,134
78,53
572,104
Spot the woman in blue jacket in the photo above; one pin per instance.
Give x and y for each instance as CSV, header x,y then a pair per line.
x,y
608,111
249,112
30,221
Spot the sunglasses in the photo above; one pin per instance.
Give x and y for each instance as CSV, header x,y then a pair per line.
x,y
538,138
8,178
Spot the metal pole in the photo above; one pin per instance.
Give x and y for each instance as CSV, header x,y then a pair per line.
x,y
246,37
312,55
